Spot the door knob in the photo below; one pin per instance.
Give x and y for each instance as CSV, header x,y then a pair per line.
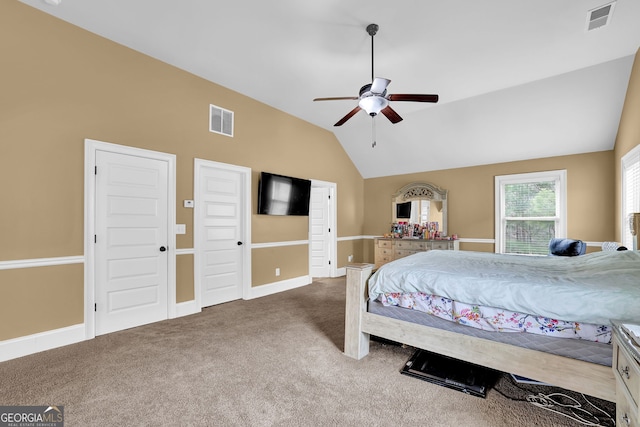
x,y
239,243
162,249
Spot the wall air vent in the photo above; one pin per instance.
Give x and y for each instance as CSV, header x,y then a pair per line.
x,y
220,120
600,16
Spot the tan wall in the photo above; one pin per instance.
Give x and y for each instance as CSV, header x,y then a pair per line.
x,y
628,131
33,300
60,85
471,199
265,261
353,248
184,275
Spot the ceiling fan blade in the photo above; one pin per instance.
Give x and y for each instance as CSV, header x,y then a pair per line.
x,y
348,116
337,98
413,97
391,114
379,85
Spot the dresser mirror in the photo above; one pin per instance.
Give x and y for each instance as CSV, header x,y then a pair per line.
x,y
420,203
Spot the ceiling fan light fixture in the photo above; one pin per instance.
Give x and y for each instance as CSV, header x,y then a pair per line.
x,y
373,104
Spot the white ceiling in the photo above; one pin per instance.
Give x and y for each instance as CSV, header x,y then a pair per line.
x,y
517,79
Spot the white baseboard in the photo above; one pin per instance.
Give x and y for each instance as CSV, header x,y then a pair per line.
x,y
275,287
187,308
341,272
30,344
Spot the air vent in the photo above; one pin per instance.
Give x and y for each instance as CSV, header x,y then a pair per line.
x,y
220,120
600,16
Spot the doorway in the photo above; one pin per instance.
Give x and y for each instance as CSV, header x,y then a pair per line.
x,y
322,229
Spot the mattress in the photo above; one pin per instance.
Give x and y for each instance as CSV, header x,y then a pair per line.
x,y
587,351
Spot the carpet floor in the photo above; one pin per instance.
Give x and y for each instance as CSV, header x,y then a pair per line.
x,y
271,361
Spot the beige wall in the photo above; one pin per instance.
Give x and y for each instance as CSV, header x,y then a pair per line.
x,y
471,201
628,132
60,85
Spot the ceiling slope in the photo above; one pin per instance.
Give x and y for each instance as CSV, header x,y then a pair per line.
x,y
516,80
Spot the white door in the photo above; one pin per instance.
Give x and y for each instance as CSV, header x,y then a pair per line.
x,y
319,232
221,210
131,268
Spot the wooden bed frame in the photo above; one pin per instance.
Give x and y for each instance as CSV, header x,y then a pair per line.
x,y
584,377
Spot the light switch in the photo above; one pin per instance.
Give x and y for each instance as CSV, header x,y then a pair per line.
x,y
188,203
181,228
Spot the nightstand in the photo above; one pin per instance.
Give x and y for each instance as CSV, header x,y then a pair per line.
x,y
626,367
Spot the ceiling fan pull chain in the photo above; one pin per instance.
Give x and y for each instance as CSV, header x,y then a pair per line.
x,y
373,132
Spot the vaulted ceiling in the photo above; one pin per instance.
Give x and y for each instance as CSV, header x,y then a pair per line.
x,y
516,79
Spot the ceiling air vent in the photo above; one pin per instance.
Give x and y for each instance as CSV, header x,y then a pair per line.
x,y
220,120
600,16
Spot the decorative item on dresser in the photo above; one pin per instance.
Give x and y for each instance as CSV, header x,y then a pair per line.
x,y
388,249
626,367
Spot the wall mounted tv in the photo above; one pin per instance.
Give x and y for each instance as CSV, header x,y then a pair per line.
x,y
403,210
283,195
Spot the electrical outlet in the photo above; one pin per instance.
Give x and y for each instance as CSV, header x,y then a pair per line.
x,y
350,258
277,271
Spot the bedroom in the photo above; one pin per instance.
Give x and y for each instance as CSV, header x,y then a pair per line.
x,y
62,84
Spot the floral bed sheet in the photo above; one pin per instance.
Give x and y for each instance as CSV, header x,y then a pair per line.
x,y
495,319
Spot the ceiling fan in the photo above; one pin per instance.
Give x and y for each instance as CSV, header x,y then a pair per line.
x,y
373,97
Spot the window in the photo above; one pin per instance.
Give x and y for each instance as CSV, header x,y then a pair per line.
x,y
630,193
530,211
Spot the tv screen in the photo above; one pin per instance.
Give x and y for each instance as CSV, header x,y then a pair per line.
x,y
283,195
403,210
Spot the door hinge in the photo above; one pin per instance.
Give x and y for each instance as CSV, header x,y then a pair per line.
x,y
329,230
95,170
95,307
95,238
329,262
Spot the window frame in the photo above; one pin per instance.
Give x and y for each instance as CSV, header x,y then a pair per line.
x,y
559,176
629,160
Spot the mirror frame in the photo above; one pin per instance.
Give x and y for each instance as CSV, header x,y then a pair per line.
x,y
421,191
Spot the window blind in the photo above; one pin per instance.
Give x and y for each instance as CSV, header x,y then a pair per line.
x,y
530,211
630,192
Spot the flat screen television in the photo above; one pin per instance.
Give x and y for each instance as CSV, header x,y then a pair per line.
x,y
283,195
403,210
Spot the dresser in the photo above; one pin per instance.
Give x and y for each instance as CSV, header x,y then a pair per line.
x,y
387,249
626,367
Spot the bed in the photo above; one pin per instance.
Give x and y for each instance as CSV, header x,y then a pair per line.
x,y
612,279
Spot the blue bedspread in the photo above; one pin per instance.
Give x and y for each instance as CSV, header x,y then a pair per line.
x,y
592,288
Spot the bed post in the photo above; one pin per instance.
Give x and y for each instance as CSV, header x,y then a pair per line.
x,y
356,342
